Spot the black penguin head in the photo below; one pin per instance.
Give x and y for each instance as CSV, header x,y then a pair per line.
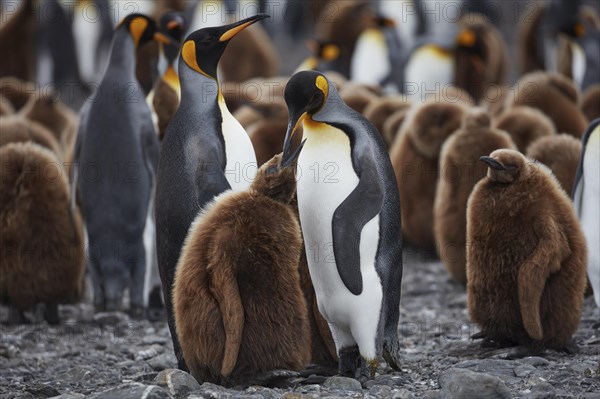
x,y
203,49
384,22
142,29
175,25
276,178
470,41
305,94
506,166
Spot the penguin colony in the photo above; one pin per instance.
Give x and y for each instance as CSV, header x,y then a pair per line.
x,y
279,221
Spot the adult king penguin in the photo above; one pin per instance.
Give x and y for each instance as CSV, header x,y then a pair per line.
x,y
350,218
116,155
586,193
204,153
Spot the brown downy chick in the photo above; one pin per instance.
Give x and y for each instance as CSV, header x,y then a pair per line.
x,y
560,153
590,104
525,125
460,170
415,157
239,308
526,256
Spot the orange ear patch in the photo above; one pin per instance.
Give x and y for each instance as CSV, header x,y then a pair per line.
x,y
322,85
330,52
188,53
137,27
466,38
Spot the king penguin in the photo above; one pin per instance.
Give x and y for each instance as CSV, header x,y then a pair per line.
x,y
204,153
116,154
350,218
586,193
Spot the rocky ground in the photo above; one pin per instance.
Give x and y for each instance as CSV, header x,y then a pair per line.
x,y
109,356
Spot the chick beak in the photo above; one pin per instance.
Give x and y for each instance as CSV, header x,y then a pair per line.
x,y
229,31
492,163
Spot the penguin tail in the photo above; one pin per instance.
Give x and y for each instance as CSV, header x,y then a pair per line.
x,y
225,290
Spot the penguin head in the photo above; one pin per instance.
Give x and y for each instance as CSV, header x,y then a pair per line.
x,y
470,40
276,178
142,29
203,48
506,166
324,50
175,25
305,94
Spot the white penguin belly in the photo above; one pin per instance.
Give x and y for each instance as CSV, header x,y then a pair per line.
x,y
588,209
578,64
370,61
241,159
428,71
327,178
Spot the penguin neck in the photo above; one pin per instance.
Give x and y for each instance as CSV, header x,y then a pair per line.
x,y
199,89
122,55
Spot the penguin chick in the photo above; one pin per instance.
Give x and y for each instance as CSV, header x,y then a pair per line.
x,y
560,153
6,108
525,125
42,237
380,109
481,56
590,104
251,55
46,110
459,172
17,129
553,94
415,157
18,92
393,125
238,306
357,96
494,99
526,255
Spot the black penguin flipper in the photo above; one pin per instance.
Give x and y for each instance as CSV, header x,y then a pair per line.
x,y
349,219
74,175
150,148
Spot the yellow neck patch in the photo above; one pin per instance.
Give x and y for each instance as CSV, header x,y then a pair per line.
x,y
322,85
330,52
137,28
171,78
188,53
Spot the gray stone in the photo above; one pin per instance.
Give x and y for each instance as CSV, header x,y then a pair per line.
x,y
134,390
177,382
534,361
296,395
541,389
503,369
380,391
162,362
69,396
403,394
150,352
110,318
210,391
524,371
261,392
345,383
466,384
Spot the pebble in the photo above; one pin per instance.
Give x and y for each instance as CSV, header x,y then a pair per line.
x,y
177,382
342,383
133,390
459,383
162,362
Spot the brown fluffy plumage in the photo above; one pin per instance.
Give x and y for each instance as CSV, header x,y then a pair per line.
x,y
16,91
381,108
357,96
393,125
459,172
42,239
239,309
6,108
525,125
590,104
415,156
165,103
526,257
17,43
17,129
556,96
561,153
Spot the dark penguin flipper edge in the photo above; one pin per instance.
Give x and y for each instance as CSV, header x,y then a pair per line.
x,y
225,290
74,199
349,219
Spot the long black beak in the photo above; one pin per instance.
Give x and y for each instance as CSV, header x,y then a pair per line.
x,y
292,128
229,31
492,163
289,159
